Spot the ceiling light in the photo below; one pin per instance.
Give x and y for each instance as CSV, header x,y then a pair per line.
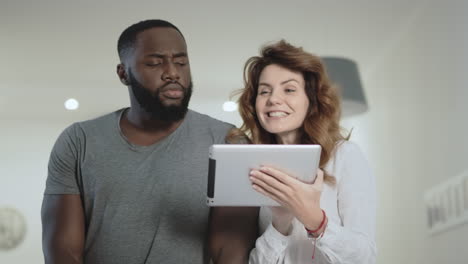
x,y
71,104
229,106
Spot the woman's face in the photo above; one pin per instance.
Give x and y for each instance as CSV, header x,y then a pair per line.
x,y
281,102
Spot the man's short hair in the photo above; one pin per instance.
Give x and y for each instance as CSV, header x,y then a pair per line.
x,y
128,37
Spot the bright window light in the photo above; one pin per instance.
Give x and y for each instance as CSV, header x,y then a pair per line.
x,y
71,104
229,106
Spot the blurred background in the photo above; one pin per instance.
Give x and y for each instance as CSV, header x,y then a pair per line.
x,y
412,58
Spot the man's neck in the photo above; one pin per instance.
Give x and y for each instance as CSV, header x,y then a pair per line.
x,y
141,129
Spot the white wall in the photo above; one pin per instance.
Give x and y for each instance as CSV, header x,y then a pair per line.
x,y
416,133
25,149
442,51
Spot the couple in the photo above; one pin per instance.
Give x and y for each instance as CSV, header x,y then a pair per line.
x,y
130,186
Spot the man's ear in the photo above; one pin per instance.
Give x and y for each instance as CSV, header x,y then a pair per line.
x,y
123,76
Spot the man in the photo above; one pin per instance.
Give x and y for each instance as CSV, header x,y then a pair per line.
x,y
130,186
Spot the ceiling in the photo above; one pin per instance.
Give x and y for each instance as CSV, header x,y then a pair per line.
x,y
54,50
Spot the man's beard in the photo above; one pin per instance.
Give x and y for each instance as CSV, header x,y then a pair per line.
x,y
152,103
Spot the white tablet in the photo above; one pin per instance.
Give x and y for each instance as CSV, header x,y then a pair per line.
x,y
229,167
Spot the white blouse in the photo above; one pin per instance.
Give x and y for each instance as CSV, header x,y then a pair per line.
x,y
350,207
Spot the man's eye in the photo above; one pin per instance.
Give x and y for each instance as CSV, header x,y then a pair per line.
x,y
181,62
153,64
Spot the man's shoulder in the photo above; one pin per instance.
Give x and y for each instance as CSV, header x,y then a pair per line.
x,y
209,121
105,120
205,125
95,125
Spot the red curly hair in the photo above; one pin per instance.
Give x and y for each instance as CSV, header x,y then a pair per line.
x,y
321,125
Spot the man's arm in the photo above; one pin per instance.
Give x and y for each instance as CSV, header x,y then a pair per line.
x,y
232,233
63,229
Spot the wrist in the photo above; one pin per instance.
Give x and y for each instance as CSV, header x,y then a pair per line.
x,y
314,219
282,225
318,230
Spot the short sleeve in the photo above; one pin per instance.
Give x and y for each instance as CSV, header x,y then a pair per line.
x,y
63,171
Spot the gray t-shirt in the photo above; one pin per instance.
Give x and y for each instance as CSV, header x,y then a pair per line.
x,y
142,204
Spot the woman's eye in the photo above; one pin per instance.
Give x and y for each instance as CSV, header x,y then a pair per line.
x,y
290,90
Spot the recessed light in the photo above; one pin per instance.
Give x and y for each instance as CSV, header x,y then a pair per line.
x,y
71,104
230,106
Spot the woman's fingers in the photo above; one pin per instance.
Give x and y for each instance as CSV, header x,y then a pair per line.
x,y
270,185
272,178
285,189
279,175
261,190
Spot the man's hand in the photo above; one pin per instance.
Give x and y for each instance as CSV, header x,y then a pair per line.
x,y
232,233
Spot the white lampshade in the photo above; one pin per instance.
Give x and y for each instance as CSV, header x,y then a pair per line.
x,y
344,73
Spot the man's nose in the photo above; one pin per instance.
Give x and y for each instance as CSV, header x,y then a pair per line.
x,y
170,72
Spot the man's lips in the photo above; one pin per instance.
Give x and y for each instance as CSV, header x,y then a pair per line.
x,y
173,91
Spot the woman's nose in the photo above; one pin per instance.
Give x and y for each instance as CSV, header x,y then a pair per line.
x,y
275,98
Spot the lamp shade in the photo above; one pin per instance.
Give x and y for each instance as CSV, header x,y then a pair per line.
x,y
344,73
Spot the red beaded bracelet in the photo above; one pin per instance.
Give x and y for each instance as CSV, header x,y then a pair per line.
x,y
313,233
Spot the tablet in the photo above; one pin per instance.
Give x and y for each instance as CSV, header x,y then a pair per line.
x,y
229,167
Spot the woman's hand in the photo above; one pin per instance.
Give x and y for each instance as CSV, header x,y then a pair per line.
x,y
299,198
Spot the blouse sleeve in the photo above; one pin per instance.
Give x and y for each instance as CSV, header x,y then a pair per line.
x,y
352,241
269,247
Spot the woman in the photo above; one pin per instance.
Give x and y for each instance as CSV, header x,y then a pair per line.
x,y
288,99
